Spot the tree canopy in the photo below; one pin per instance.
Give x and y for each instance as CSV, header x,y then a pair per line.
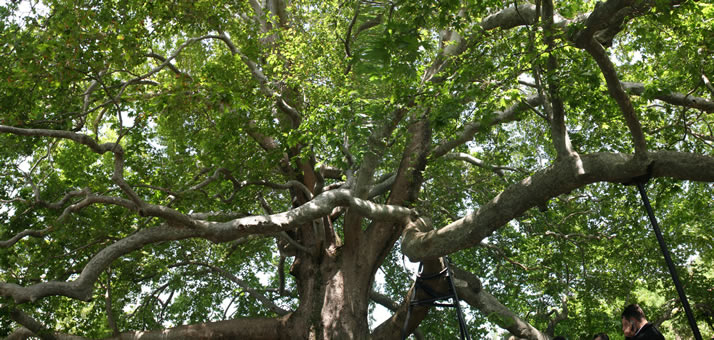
x,y
264,169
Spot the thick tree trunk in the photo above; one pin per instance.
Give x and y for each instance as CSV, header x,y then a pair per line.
x,y
334,296
345,308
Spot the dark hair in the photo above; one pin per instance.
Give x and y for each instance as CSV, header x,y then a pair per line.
x,y
559,338
602,336
633,311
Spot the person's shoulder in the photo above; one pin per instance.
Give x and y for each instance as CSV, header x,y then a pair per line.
x,y
650,332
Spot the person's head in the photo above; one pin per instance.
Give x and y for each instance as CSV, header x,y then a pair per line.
x,y
559,338
601,336
632,319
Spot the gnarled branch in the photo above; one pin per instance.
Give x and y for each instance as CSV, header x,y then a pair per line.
x,y
420,242
470,290
320,206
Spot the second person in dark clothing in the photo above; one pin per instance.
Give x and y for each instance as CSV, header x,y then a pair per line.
x,y
635,325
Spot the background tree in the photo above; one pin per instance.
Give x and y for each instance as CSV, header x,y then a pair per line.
x,y
255,169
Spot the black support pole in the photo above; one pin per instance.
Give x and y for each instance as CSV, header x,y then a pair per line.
x,y
668,259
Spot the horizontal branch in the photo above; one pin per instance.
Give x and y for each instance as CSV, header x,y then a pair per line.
x,y
517,16
94,199
320,206
54,205
421,242
609,18
332,172
602,24
253,328
218,215
77,137
673,98
384,300
27,232
82,287
249,328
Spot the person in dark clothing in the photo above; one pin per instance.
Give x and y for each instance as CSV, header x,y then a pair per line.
x,y
601,336
635,325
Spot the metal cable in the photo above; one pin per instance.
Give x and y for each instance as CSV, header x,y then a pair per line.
x,y
668,259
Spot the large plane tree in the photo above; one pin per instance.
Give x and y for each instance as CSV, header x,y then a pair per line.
x,y
256,169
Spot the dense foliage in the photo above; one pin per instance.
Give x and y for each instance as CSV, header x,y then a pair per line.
x,y
168,163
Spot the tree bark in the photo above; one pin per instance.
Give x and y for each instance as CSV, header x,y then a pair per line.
x,y
420,242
